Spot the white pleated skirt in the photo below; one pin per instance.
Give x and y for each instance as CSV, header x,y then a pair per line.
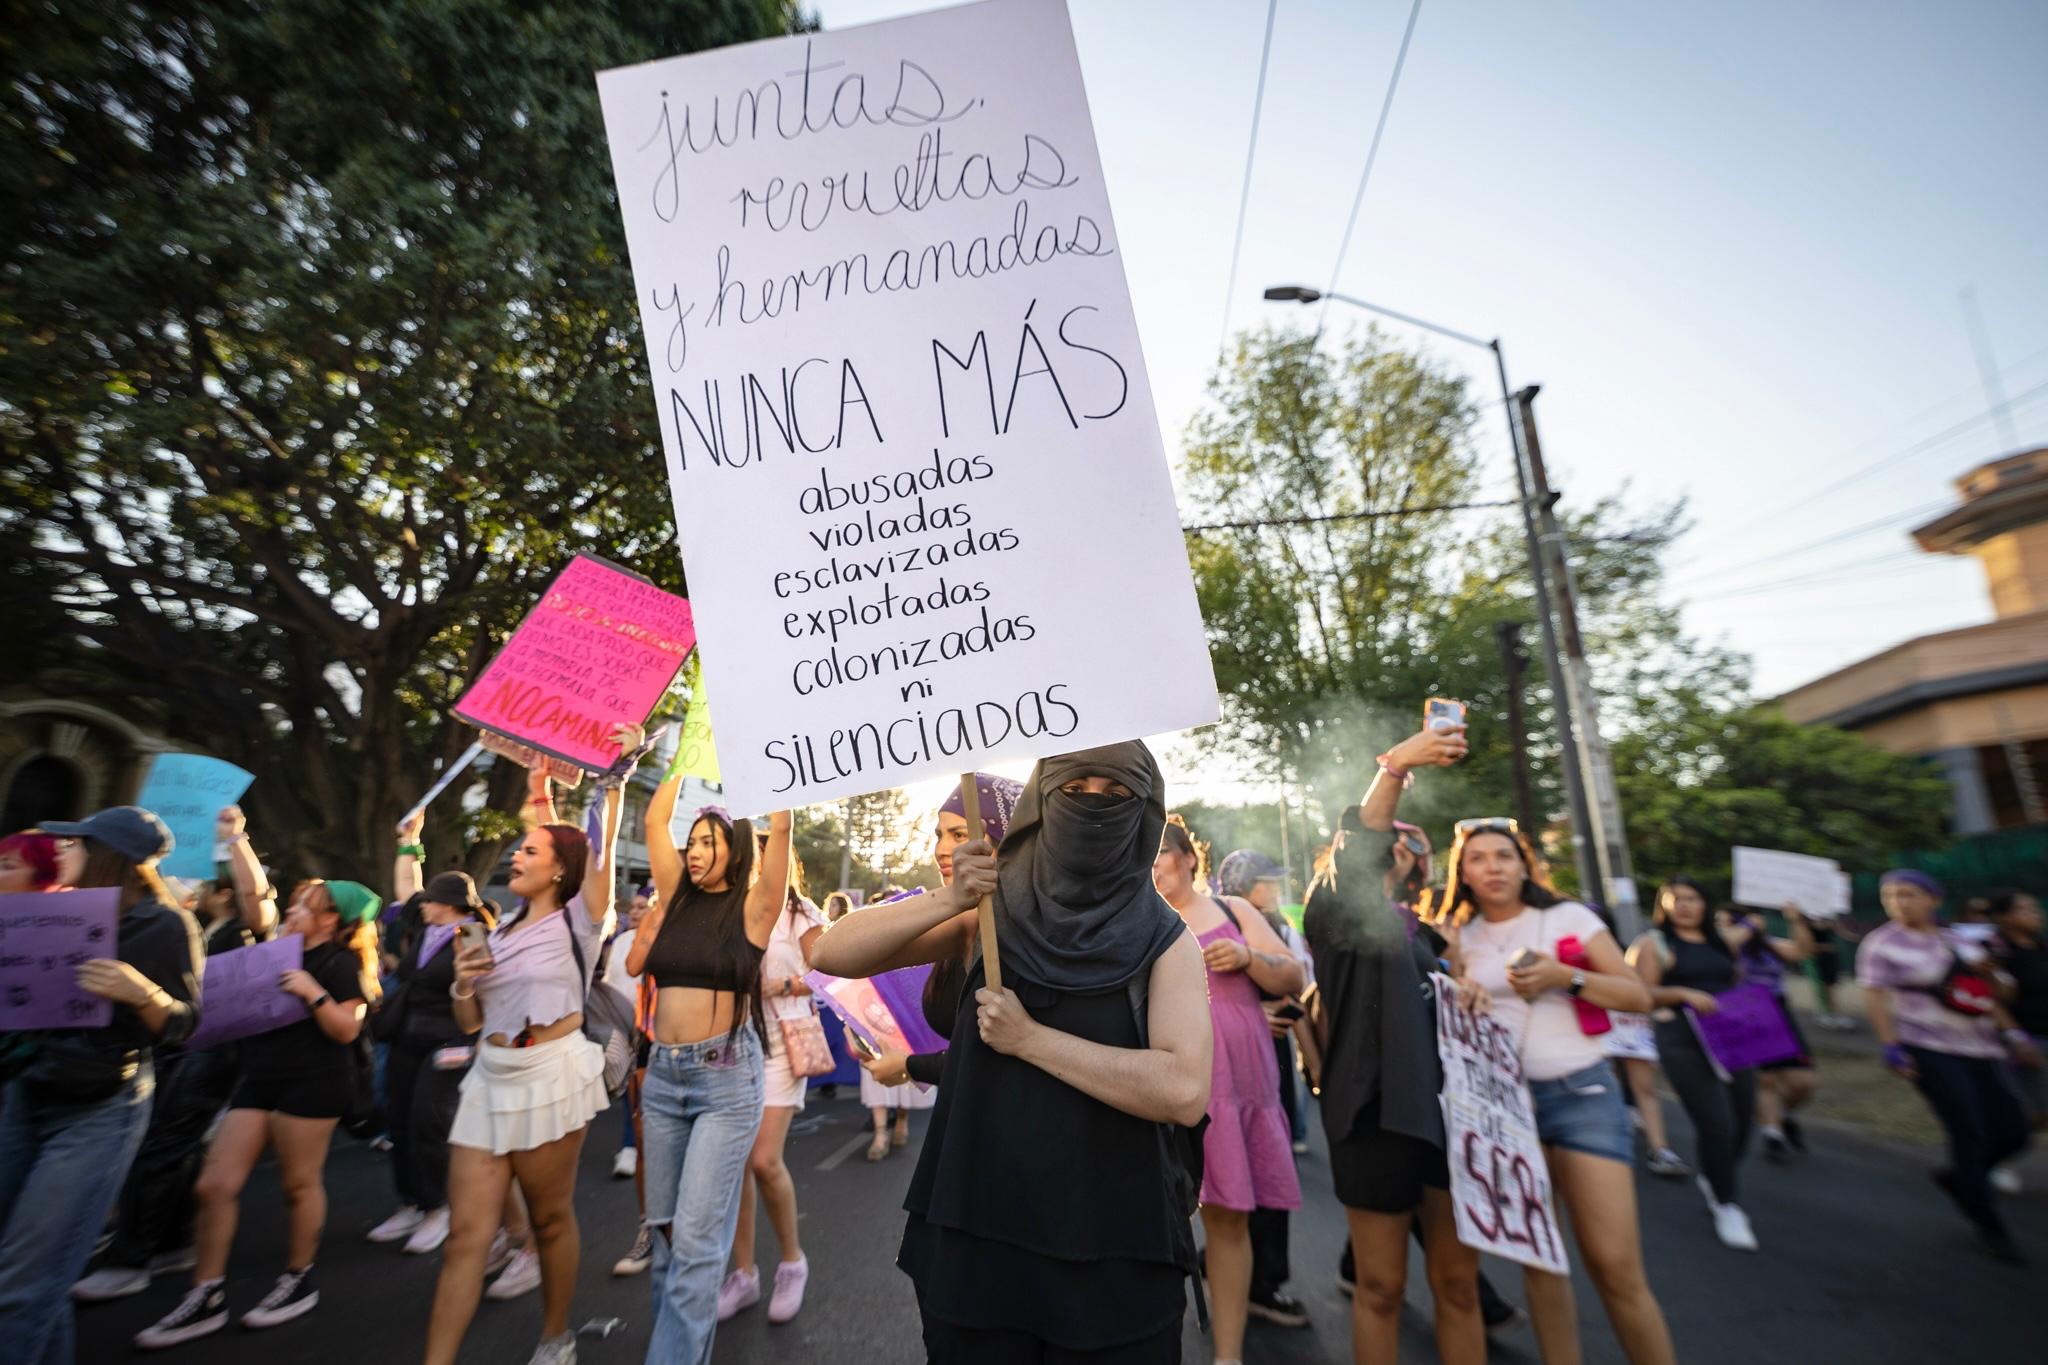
x,y
518,1098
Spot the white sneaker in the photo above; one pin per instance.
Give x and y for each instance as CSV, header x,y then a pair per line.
x,y
1707,1193
500,1255
522,1276
171,1262
200,1313
428,1236
638,1256
625,1163
115,1282
559,1350
1731,1225
291,1297
2005,1180
398,1226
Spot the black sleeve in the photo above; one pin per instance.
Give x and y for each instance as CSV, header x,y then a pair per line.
x,y
341,975
926,1067
167,952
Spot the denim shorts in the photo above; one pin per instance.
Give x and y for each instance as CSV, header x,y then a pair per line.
x,y
1583,1112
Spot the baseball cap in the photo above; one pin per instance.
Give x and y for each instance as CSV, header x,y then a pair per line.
x,y
1239,870
454,889
131,831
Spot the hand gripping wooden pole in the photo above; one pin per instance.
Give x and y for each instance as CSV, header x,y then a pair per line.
x,y
985,915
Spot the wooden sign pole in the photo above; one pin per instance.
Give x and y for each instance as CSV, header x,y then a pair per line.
x,y
970,806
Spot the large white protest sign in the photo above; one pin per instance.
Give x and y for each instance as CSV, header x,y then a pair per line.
x,y
1774,879
917,474
1500,1186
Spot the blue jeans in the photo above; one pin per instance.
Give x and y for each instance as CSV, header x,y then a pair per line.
x,y
699,1110
1583,1112
61,1168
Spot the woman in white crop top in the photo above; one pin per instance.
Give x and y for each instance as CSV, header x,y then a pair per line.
x,y
537,1080
1510,930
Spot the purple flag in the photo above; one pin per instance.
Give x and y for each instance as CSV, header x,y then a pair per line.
x,y
1750,1029
44,935
882,1009
239,995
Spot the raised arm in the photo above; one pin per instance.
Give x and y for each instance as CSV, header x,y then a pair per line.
x,y
1165,1082
540,800
406,878
601,874
255,898
770,890
664,863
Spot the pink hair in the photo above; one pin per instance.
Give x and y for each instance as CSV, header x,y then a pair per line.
x,y
39,851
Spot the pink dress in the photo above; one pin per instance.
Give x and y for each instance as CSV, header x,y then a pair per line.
x,y
1247,1155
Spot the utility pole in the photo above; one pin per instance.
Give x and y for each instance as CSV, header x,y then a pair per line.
x,y
1583,855
1513,663
1615,884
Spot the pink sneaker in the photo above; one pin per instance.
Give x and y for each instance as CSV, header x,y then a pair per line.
x,y
788,1298
742,1289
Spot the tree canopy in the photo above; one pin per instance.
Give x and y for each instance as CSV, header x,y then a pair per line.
x,y
318,354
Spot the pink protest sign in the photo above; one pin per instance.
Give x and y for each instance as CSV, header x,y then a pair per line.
x,y
44,935
596,653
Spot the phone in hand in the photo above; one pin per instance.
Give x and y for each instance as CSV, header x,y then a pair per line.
x,y
1523,960
1442,713
862,1045
471,935
1290,1010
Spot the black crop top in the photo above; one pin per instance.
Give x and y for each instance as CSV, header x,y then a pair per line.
x,y
687,952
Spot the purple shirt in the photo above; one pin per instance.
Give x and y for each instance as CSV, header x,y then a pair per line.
x,y
1911,965
431,942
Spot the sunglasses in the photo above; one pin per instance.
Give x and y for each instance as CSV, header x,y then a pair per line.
x,y
1488,824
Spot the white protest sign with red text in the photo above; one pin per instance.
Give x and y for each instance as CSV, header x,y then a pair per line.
x,y
1500,1186
597,652
917,474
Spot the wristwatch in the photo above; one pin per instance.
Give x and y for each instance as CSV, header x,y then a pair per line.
x,y
1578,983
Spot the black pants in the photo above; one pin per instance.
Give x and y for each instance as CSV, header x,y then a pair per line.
x,y
1270,1267
1983,1119
1721,1112
156,1209
420,1100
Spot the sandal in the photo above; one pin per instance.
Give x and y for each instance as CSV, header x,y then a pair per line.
x,y
879,1148
901,1135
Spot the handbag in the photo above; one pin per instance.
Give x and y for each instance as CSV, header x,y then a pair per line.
x,y
803,1043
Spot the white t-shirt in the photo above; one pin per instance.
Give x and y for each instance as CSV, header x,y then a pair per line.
x,y
784,958
1552,1044
615,974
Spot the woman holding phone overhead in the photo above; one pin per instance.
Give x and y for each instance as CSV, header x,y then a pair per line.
x,y
702,944
537,1081
1100,1035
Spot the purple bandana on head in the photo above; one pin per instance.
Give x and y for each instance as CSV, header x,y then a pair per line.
x,y
718,813
998,797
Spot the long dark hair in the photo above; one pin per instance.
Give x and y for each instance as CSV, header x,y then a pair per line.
x,y
1710,930
138,881
723,914
1453,903
1187,845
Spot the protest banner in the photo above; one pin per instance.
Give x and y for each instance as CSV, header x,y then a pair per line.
x,y
1771,878
1500,1185
187,791
1749,1028
916,469
596,652
44,936
239,995
696,753
1632,1036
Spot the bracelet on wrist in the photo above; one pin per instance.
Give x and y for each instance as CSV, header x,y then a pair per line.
x,y
411,851
1396,771
455,993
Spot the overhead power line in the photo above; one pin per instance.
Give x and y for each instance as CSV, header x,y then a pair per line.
x,y
1244,195
1371,155
1910,514
1254,523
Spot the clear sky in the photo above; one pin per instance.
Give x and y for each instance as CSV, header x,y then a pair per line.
x,y
1728,240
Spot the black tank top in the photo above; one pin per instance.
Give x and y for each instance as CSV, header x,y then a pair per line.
x,y
1035,1208
688,951
1696,966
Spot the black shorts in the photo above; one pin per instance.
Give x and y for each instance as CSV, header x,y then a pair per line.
x,y
302,1097
1383,1172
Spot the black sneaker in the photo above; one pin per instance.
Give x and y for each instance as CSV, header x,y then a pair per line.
x,y
292,1296
201,1313
1277,1306
1794,1133
1775,1148
1999,1244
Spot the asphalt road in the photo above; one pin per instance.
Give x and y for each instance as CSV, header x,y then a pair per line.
x,y
1862,1261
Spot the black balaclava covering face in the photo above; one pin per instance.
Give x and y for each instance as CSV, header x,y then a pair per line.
x,y
1075,906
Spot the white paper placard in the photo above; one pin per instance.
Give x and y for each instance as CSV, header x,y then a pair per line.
x,y
918,479
1501,1198
1768,877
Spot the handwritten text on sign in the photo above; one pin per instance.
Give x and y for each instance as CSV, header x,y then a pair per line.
x,y
596,653
44,936
239,995
187,792
1500,1186
910,439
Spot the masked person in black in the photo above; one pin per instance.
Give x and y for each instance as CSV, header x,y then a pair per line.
x,y
1077,1250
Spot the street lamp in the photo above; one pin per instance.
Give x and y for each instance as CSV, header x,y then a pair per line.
x,y
1586,845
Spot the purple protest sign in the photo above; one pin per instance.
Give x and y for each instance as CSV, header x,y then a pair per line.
x,y
44,935
903,991
884,1010
239,995
1750,1029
